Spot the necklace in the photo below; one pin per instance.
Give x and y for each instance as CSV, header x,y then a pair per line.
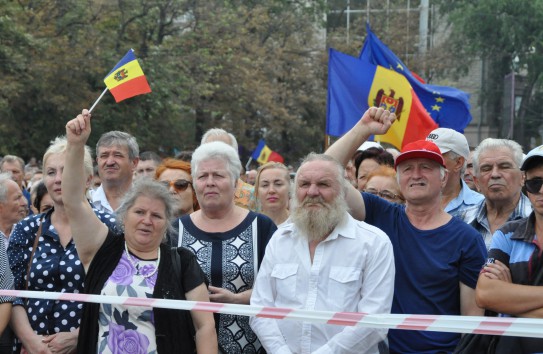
x,y
137,264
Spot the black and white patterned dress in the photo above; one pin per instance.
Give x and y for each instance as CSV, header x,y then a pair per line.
x,y
230,260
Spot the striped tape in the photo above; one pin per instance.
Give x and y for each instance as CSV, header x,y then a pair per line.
x,y
507,326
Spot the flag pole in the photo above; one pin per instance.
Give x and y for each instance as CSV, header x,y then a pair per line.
x,y
98,100
248,163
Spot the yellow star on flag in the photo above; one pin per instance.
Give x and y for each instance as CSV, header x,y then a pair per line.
x,y
399,66
436,108
440,99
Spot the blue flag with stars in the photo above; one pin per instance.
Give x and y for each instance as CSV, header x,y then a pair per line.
x,y
448,106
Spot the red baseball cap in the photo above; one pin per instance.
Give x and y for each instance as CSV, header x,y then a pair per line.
x,y
420,149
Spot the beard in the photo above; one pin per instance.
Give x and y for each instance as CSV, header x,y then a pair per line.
x,y
317,224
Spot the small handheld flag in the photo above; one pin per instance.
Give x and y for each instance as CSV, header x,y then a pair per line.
x,y
127,79
263,154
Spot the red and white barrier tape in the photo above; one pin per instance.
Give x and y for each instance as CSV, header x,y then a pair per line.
x,y
522,327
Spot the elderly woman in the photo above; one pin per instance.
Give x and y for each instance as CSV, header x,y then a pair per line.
x,y
44,241
383,182
136,263
175,175
369,160
272,191
228,240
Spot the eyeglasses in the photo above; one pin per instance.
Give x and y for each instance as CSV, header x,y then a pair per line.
x,y
383,194
533,185
180,185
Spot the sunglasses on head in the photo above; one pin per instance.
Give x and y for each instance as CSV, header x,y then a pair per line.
x,y
179,185
533,185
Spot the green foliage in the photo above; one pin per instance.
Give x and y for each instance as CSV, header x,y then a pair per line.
x,y
254,68
507,35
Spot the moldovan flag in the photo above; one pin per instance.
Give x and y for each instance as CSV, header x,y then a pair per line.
x,y
448,106
264,154
127,79
355,85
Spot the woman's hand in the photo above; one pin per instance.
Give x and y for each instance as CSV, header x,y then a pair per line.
x,y
35,345
226,296
62,342
78,129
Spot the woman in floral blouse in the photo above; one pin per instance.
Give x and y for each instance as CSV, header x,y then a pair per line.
x,y
137,263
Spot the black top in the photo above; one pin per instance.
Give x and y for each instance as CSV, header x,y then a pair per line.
x,y
169,338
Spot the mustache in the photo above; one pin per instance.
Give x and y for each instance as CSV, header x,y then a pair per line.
x,y
313,200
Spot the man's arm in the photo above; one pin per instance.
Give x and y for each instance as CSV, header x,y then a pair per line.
x,y
468,305
508,298
374,121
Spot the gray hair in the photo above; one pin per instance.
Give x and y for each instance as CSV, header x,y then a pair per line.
x,y
220,151
147,187
454,156
4,177
492,144
11,159
118,138
218,132
59,146
339,169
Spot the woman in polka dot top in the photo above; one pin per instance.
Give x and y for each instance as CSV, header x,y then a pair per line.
x,y
45,325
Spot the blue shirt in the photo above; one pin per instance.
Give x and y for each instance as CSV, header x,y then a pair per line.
x,y
467,198
430,264
514,245
477,217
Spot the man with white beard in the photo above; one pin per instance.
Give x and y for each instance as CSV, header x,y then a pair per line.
x,y
324,260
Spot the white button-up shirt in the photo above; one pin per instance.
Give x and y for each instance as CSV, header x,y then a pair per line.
x,y
99,200
352,271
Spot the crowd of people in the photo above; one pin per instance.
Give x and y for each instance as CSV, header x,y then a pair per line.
x,y
438,228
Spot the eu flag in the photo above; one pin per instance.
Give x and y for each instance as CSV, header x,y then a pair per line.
x,y
448,106
355,85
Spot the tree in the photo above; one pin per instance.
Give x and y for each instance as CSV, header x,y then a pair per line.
x,y
254,68
502,33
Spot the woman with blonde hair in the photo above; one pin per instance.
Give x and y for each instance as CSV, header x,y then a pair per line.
x,y
43,257
272,191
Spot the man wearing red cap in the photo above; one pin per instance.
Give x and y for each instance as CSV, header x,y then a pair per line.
x,y
437,257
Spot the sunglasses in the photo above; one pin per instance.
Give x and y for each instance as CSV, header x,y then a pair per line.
x,y
180,185
383,194
533,185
